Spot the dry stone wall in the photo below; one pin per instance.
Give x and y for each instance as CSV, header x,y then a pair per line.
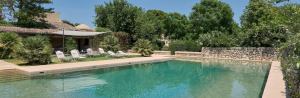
x,y
244,53
162,52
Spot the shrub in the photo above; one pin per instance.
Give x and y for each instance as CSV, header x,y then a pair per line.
x,y
124,40
96,40
192,46
70,44
110,43
8,41
155,47
34,50
160,44
143,47
165,48
178,45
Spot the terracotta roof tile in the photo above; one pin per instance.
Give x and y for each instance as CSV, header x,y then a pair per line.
x,y
26,30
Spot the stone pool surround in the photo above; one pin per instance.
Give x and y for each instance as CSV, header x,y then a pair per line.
x,y
242,53
274,88
81,66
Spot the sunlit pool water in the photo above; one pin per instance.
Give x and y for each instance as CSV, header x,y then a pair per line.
x,y
170,79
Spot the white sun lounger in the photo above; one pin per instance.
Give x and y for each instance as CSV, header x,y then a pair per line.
x,y
122,53
75,55
112,54
90,52
102,51
60,56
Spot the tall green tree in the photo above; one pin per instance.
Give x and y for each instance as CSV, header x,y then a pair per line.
x,y
148,27
27,11
158,13
175,25
117,15
211,15
257,23
257,13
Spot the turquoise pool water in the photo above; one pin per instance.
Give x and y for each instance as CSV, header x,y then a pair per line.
x,y
171,79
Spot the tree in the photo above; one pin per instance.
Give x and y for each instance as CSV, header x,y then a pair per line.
x,y
259,26
118,15
27,11
77,24
158,13
258,12
211,15
147,27
175,25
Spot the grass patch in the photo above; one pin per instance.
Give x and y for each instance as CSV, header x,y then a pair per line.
x,y
97,58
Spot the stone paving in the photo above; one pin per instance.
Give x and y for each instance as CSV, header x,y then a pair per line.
x,y
275,86
80,66
5,66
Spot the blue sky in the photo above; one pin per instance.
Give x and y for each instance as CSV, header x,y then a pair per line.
x,y
82,11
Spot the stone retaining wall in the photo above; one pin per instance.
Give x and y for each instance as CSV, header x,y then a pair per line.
x,y
244,53
162,52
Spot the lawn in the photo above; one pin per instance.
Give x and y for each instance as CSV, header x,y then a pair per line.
x,y
97,58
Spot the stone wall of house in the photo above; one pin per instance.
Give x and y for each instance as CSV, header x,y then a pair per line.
x,y
162,52
243,53
53,17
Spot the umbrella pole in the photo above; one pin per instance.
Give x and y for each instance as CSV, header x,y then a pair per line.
x,y
63,40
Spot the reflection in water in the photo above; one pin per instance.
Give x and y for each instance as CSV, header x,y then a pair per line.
x,y
172,79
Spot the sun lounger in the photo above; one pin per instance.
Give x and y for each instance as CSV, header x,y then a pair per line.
x,y
112,54
75,55
90,52
81,55
102,51
122,53
60,56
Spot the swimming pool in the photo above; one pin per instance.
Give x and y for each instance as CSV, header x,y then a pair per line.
x,y
171,79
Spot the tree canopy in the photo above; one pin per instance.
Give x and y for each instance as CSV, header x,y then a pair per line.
x,y
26,11
117,15
175,25
211,15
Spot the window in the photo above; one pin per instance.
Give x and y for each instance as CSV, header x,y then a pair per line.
x,y
86,42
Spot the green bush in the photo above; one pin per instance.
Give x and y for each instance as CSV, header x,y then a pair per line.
x,y
8,40
192,46
165,48
143,47
34,50
110,43
178,45
160,44
102,29
155,47
70,44
124,40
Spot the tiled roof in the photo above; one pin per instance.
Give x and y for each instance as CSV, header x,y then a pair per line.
x,y
26,30
60,26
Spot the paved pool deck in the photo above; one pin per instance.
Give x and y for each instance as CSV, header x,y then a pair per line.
x,y
275,86
80,66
